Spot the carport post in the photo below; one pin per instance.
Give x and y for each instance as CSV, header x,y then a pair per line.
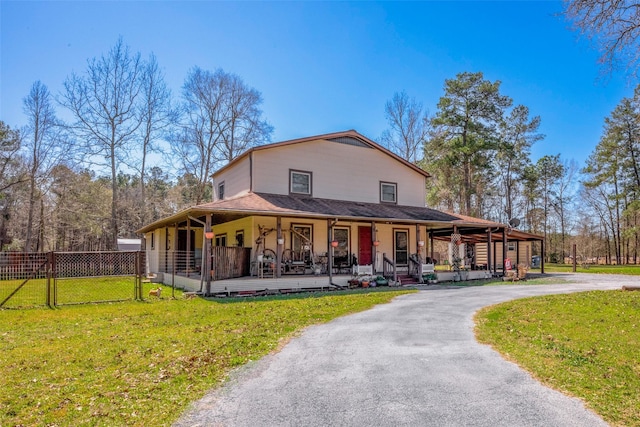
x,y
504,251
489,250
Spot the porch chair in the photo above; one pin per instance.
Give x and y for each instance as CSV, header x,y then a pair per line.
x,y
363,270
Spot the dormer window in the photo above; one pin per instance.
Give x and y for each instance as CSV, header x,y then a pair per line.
x,y
221,191
299,182
388,192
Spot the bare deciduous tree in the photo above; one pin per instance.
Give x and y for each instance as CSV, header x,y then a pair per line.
x,y
245,127
409,126
221,119
614,26
43,144
12,174
9,146
104,103
156,115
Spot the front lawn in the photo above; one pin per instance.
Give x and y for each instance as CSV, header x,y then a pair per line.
x,y
602,269
142,363
584,344
71,290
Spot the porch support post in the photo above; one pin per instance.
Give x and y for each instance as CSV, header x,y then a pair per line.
x,y
504,251
330,224
419,252
431,245
489,254
166,250
207,255
188,246
174,246
279,247
495,258
542,256
374,248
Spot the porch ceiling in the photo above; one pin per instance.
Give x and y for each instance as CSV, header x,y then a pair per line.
x,y
480,234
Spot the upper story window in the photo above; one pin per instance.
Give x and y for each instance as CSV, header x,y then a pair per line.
x,y
221,191
388,192
299,182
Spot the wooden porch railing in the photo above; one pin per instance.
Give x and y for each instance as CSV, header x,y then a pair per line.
x,y
389,270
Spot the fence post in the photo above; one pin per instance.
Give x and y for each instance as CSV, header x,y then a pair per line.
x,y
137,291
54,273
49,269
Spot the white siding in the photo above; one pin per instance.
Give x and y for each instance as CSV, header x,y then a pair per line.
x,y
339,171
237,179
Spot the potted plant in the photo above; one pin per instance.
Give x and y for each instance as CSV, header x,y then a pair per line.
x,y
455,266
365,280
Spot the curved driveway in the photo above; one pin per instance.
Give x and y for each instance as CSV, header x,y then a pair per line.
x,y
413,362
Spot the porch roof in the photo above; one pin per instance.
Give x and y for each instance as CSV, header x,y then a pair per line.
x,y
311,207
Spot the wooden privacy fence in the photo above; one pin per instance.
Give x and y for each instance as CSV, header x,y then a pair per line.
x,y
230,262
58,278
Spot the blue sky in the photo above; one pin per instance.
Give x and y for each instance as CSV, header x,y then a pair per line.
x,y
328,66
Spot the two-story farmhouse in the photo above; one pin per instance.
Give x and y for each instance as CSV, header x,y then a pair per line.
x,y
302,213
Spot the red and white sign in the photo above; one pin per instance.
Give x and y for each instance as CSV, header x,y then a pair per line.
x,y
507,264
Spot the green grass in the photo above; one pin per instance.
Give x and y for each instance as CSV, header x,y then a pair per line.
x,y
69,290
141,363
602,269
584,344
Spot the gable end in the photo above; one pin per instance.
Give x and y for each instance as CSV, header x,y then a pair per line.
x,y
350,141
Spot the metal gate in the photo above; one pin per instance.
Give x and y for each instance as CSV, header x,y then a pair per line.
x,y
59,278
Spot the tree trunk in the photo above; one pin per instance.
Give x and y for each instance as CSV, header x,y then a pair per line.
x,y
114,197
32,202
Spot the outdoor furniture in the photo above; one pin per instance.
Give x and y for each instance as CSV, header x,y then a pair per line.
x,y
362,270
267,267
341,268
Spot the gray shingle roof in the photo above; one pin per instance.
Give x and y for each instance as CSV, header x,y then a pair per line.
x,y
340,208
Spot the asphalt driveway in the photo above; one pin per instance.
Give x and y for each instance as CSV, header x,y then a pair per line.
x,y
413,362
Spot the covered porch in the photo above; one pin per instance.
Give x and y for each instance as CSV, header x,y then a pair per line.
x,y
261,242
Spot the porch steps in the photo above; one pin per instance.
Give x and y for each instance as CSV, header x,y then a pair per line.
x,y
407,279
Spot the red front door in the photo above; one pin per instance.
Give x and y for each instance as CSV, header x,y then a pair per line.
x,y
364,245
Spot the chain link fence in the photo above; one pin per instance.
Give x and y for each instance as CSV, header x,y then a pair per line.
x,y
59,278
